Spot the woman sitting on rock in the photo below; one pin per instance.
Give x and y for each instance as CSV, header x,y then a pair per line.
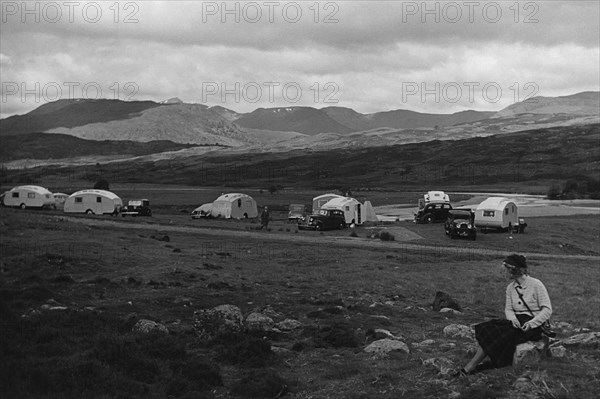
x,y
527,308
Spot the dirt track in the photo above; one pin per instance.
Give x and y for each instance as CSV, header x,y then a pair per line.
x,y
313,239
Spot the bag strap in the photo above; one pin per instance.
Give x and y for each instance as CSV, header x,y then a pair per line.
x,y
524,303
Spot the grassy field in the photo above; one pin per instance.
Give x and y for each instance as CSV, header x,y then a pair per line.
x,y
101,278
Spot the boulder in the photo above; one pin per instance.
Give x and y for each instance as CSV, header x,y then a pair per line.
x,y
222,319
384,346
444,300
530,352
146,326
459,331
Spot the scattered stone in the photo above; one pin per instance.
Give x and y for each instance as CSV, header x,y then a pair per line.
x,y
446,346
288,325
427,342
146,326
450,310
585,339
443,364
444,300
459,331
380,333
259,322
218,320
558,351
522,384
383,346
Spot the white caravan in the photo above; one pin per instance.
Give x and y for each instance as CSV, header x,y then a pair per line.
x,y
351,207
234,205
496,212
97,202
321,200
28,197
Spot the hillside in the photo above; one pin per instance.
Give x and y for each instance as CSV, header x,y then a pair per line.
x,y
535,156
57,146
72,113
305,120
585,103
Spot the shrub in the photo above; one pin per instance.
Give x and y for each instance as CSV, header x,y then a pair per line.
x,y
386,236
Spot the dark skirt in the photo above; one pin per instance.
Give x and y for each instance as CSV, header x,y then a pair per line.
x,y
498,339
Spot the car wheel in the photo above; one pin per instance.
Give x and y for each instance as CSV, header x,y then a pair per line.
x,y
149,212
428,219
473,237
342,226
23,206
319,227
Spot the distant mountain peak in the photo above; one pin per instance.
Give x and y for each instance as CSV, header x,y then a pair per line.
x,y
172,100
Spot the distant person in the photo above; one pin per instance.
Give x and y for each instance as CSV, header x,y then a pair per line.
x,y
265,217
527,307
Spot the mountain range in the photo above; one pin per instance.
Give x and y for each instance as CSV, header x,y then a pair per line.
x,y
281,128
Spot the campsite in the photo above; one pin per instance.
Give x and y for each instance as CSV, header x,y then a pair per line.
x,y
82,283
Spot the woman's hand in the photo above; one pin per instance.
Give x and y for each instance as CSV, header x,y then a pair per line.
x,y
526,326
516,323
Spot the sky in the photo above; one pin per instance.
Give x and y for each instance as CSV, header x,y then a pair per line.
x,y
371,56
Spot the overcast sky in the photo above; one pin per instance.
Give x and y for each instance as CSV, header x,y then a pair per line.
x,y
438,57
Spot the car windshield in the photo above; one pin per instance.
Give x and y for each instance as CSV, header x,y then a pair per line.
x,y
323,212
461,215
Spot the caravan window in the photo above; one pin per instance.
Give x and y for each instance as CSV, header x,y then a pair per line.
x,y
239,202
78,199
347,207
489,213
30,195
98,199
506,211
15,195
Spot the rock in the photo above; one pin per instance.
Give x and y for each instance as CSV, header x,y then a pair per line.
x,y
288,325
446,346
443,364
450,310
459,331
380,333
523,384
586,339
384,346
529,352
444,300
259,322
218,320
146,326
558,351
427,342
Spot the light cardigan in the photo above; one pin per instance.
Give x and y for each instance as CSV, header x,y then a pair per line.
x,y
536,296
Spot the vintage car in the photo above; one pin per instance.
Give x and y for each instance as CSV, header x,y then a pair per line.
x,y
296,212
433,212
324,219
137,208
461,223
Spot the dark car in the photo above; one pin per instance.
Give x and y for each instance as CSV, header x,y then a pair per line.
x,y
433,212
137,208
325,219
296,212
461,223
